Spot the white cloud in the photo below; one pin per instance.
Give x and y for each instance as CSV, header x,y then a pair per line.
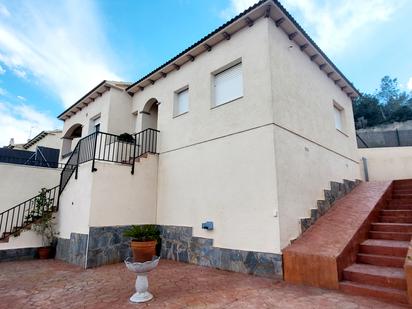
x,y
21,98
336,24
2,91
2,70
236,7
409,84
4,11
18,121
59,45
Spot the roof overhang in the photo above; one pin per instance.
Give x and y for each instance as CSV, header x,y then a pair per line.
x,y
39,137
91,96
263,9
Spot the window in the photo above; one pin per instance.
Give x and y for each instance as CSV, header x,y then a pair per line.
x,y
181,102
338,114
94,125
228,85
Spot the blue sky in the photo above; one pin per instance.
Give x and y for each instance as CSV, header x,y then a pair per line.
x,y
52,52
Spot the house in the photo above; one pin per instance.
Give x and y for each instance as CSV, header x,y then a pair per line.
x,y
244,129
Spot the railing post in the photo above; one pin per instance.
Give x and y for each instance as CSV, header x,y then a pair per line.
x,y
134,153
94,152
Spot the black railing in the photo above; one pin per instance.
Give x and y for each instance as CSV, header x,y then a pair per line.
x,y
13,220
101,146
30,162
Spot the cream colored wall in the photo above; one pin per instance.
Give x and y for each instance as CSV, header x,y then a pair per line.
x,y
74,208
126,199
388,163
27,239
310,151
19,183
120,113
203,122
230,181
51,140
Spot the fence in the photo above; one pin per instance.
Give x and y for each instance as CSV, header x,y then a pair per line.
x,y
392,138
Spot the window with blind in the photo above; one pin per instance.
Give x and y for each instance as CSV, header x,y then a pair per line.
x,y
228,85
338,113
181,102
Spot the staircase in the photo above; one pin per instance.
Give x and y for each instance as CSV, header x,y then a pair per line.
x,y
378,271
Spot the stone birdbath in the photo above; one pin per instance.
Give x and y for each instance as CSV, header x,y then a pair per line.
x,y
141,269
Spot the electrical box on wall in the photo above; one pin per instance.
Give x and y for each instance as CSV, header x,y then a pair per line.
x,y
208,225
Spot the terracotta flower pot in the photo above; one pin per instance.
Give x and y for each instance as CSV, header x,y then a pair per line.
x,y
44,253
143,250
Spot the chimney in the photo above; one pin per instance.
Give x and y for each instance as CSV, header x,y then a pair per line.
x,y
11,143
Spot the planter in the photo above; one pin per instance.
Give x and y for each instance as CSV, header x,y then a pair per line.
x,y
143,250
44,253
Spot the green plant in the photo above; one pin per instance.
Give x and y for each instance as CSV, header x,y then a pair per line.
x,y
126,137
142,232
43,218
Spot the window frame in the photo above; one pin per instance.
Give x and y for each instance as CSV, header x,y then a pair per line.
x,y
176,101
339,110
223,69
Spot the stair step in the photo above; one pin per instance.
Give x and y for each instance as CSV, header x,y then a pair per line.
x,y
390,277
393,219
388,294
402,196
399,201
390,235
392,227
397,206
384,247
380,260
397,212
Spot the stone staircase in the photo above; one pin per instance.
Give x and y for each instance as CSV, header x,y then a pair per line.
x,y
378,270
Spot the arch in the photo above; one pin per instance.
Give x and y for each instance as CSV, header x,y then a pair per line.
x,y
150,114
73,133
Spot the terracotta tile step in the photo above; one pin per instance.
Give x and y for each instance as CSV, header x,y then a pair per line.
x,y
392,227
402,191
393,295
384,247
394,219
380,260
396,212
389,277
395,206
402,196
390,235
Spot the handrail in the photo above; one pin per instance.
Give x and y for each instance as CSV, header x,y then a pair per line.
x,y
18,217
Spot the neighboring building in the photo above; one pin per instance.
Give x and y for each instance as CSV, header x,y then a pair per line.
x,y
245,128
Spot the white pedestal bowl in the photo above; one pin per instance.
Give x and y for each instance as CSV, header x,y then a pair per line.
x,y
141,269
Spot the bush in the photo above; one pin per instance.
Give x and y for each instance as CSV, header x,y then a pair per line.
x,y
143,233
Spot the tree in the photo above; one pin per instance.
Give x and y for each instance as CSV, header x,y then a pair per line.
x,y
368,107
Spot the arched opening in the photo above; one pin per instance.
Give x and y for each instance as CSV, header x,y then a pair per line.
x,y
70,138
149,114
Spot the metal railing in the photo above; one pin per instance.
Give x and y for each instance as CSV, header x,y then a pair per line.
x,y
101,146
30,162
13,220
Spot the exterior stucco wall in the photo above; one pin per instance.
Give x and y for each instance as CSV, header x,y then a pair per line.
x,y
388,163
310,151
51,140
203,122
125,199
27,239
19,183
230,181
120,118
75,200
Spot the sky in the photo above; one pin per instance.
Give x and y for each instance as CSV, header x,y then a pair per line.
x,y
53,52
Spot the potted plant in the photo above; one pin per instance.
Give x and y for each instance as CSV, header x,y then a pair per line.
x,y
43,223
144,240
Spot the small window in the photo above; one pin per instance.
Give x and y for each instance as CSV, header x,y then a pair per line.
x,y
181,102
228,85
338,114
94,125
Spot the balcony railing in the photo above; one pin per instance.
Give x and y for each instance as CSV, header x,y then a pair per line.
x,y
101,146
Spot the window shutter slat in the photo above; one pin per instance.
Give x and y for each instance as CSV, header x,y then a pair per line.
x,y
228,85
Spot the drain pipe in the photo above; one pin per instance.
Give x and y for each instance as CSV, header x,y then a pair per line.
x,y
365,168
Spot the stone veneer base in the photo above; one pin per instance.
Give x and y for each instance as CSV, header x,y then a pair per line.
x,y
19,254
72,250
107,245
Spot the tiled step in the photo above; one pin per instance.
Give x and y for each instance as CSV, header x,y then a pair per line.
x,y
402,191
384,247
393,219
390,235
399,201
397,212
399,206
391,227
389,277
393,295
380,260
402,196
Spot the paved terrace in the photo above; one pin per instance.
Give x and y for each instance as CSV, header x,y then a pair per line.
x,y
55,284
